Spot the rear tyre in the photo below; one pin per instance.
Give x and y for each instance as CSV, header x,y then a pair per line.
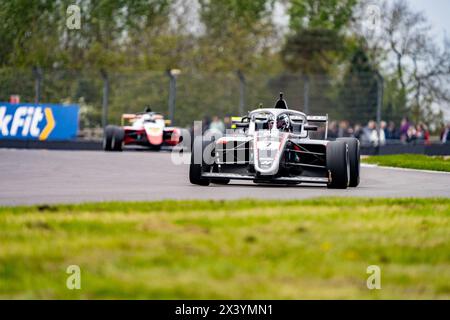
x,y
338,164
108,137
117,140
354,159
196,169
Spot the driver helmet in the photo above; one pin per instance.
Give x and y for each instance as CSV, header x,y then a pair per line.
x,y
283,123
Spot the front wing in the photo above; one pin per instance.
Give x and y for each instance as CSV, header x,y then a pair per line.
x,y
236,176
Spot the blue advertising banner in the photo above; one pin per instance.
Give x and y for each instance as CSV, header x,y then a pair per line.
x,y
28,121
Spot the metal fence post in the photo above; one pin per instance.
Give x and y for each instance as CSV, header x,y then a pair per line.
x,y
380,83
242,89
173,73
172,96
37,73
306,94
105,98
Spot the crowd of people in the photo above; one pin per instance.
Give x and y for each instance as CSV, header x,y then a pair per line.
x,y
406,133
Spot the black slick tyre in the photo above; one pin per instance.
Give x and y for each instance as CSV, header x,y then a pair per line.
x,y
338,165
354,159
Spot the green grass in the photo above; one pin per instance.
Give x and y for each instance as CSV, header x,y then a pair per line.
x,y
316,248
413,161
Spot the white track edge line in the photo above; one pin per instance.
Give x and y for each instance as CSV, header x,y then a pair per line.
x,y
370,165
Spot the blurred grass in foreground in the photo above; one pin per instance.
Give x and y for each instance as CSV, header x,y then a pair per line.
x,y
247,249
413,161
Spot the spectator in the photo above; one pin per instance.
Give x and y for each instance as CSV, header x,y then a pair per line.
x,y
370,135
227,122
383,127
382,137
344,129
426,133
357,131
205,124
391,132
445,135
366,133
217,125
422,135
404,127
411,134
332,130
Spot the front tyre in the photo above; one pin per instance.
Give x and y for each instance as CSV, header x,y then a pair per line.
x,y
118,137
196,169
354,159
338,165
108,138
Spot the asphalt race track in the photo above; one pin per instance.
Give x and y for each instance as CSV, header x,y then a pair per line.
x,y
41,176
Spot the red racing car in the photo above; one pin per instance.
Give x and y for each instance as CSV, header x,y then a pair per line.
x,y
146,129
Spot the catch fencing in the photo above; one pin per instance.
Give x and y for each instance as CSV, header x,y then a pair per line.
x,y
186,96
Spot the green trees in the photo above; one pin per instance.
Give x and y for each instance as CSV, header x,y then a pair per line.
x,y
357,98
237,33
316,41
34,33
321,14
27,32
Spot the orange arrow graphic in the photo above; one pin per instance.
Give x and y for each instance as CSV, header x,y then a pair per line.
x,y
50,124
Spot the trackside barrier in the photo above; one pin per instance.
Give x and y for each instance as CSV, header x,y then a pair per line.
x,y
81,144
52,145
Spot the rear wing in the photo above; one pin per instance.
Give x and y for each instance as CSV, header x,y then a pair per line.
x,y
127,116
317,118
133,116
320,119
